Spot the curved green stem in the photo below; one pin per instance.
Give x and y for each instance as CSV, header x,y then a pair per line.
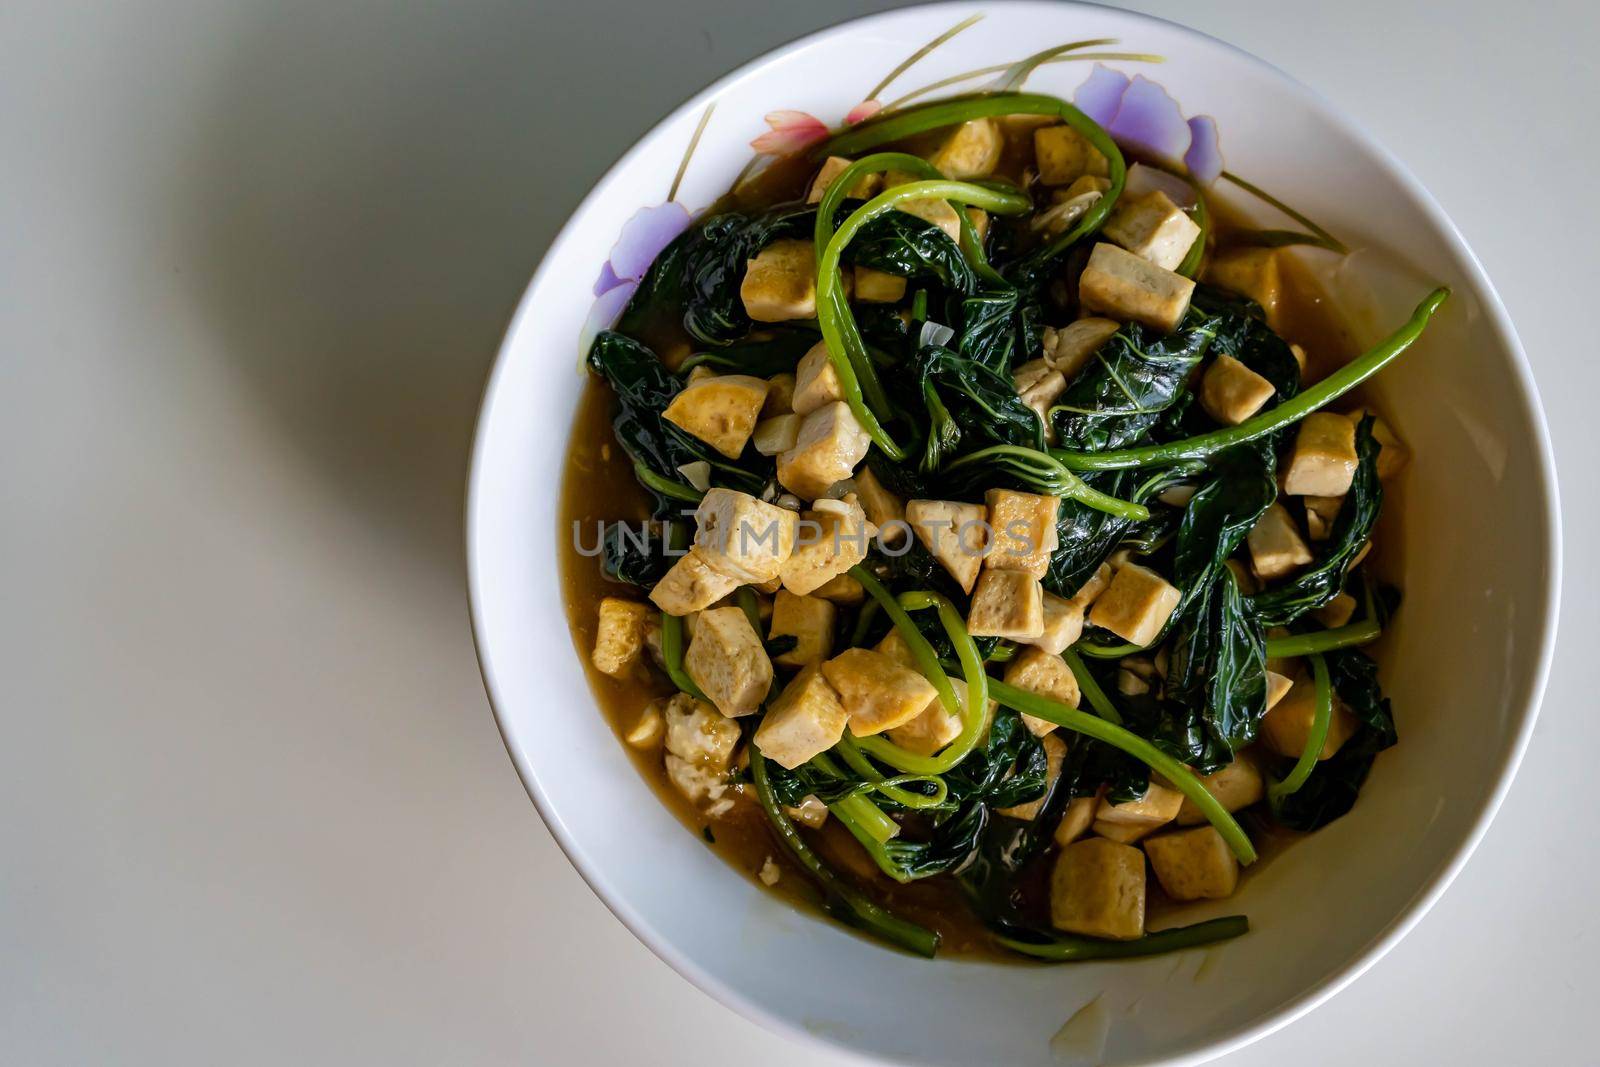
x,y
1077,949
672,653
1357,633
1091,689
1140,749
673,490
1321,720
1290,411
1094,651
893,788
844,903
1043,472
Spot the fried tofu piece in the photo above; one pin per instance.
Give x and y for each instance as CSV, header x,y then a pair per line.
x,y
1093,586
619,636
1323,461
816,381
1194,864
1320,513
807,718
1123,833
1022,531
1130,289
1063,624
1045,674
934,727
780,395
834,536
1055,754
1276,548
1153,228
1076,820
1069,347
884,509
1007,604
691,585
1159,806
864,188
743,537
878,694
971,150
698,732
830,445
841,589
810,621
1097,889
955,533
1338,611
1039,385
1393,455
1136,605
776,435
934,210
727,660
1278,686
894,646
780,284
1063,155
721,410
1236,786
1231,392
879,286
648,730
1251,272
699,784
1286,728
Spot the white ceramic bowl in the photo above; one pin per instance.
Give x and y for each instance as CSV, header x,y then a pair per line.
x,y
1465,666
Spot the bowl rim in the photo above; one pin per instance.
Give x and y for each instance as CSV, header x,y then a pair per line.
x,y
1495,317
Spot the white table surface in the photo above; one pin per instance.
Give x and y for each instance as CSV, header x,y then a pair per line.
x,y
255,259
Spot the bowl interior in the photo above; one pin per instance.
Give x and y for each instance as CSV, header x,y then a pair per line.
x,y
1464,664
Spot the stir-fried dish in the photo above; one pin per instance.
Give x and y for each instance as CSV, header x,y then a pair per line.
x,y
984,559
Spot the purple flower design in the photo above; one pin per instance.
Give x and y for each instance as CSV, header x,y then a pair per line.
x,y
1139,114
642,238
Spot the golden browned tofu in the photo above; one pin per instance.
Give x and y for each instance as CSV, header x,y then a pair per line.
x,y
830,444
721,410
691,585
1090,590
1276,548
1063,155
1338,611
619,636
1123,833
884,509
878,694
1006,604
1023,531
777,434
1158,806
834,536
816,381
1286,728
971,150
1055,754
699,733
1153,228
780,395
1323,462
841,589
1039,384
879,286
1045,674
1097,889
1320,513
864,187
1068,348
1231,392
955,533
809,620
894,646
807,718
1193,864
1393,455
780,284
1251,272
1236,786
939,212
1063,624
1278,686
743,537
727,660
1136,605
1131,289
1075,821
935,726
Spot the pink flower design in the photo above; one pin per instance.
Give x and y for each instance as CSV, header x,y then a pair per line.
x,y
791,132
642,238
862,112
1141,116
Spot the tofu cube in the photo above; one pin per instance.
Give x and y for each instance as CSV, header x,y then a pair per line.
x,y
1068,348
1075,821
1320,513
807,718
884,509
1286,728
1097,890
780,284
1194,864
700,374
699,733
1143,180
832,539
1007,604
1337,611
1153,228
1045,674
1276,549
809,620
955,533
721,411
1236,786
842,590
1063,155
816,381
1131,289
939,212
777,434
879,286
1251,272
972,150
780,395
1063,624
1323,462
935,727
1159,806
741,536
1039,384
699,784
728,661
830,444
619,636
878,694
648,730
1231,392
863,189
1393,455
1093,586
1136,605
1022,531
1089,183
1055,754
1121,832
1278,686
691,585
